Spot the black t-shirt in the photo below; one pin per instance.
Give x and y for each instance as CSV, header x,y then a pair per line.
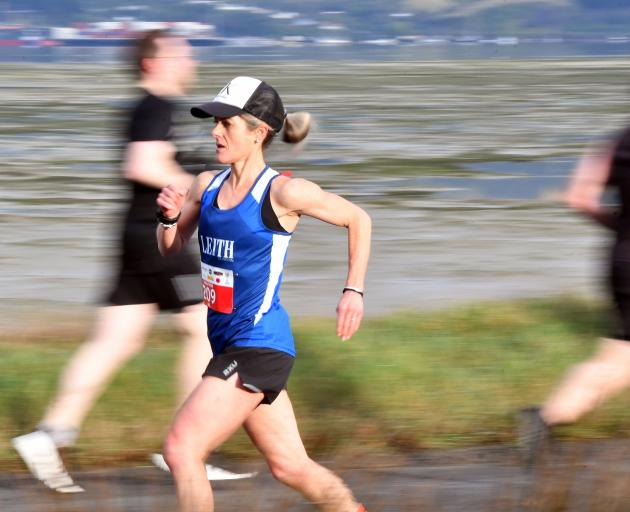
x,y
619,179
150,119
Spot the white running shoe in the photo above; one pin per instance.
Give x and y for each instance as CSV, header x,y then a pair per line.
x,y
212,472
42,458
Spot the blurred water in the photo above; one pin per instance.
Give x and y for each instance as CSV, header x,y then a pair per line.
x,y
460,164
249,50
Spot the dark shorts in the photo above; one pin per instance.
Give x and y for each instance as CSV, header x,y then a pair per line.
x,y
261,370
169,290
620,285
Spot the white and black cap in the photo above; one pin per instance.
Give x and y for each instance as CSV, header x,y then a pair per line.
x,y
245,94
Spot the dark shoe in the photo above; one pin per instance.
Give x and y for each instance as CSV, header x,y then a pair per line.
x,y
534,436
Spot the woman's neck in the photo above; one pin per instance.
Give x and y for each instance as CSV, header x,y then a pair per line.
x,y
244,172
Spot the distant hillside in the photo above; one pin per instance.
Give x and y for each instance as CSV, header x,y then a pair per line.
x,y
348,18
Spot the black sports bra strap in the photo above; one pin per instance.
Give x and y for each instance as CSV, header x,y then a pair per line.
x,y
269,217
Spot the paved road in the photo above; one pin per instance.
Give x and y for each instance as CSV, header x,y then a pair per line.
x,y
585,477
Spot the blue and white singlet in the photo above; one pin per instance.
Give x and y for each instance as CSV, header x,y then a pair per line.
x,y
242,262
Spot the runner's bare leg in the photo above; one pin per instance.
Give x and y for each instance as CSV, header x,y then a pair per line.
x,y
210,415
273,429
119,334
590,383
196,351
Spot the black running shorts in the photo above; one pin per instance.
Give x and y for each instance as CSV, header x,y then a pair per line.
x,y
170,291
620,284
261,370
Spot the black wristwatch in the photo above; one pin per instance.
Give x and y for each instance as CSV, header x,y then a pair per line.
x,y
167,222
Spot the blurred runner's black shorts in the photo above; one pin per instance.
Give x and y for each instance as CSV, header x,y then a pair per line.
x,y
170,291
261,370
620,288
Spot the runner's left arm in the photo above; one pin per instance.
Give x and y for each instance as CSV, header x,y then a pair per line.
x,y
302,197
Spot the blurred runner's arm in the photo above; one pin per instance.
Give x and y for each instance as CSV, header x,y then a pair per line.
x,y
173,201
301,197
587,185
152,163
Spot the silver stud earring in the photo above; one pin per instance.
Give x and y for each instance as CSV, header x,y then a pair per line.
x,y
255,141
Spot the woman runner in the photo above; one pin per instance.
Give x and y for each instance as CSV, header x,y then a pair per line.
x,y
245,217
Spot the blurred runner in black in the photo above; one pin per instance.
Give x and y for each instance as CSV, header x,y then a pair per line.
x,y
608,372
146,283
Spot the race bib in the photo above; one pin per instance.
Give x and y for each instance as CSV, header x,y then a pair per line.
x,y
218,288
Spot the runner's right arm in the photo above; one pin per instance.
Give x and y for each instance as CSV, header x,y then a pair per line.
x,y
587,185
152,163
150,154
173,201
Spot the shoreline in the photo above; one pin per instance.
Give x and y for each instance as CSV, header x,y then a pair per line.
x,y
53,320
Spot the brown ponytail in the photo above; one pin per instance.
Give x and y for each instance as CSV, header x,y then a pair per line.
x,y
296,127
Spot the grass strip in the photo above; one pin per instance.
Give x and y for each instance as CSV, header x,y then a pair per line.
x,y
407,381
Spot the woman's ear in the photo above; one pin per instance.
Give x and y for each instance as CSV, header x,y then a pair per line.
x,y
261,132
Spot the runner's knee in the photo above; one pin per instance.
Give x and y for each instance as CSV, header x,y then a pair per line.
x,y
179,453
188,329
289,470
191,322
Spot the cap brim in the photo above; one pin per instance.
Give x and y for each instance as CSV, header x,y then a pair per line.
x,y
215,109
